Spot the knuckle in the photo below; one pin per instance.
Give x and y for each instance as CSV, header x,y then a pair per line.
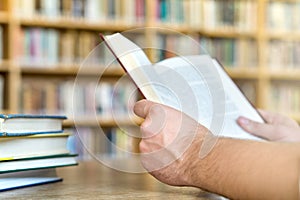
x,y
143,146
254,126
145,128
155,109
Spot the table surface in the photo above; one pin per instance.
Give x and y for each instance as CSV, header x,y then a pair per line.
x,y
92,180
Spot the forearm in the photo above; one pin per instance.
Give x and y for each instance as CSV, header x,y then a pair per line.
x,y
250,170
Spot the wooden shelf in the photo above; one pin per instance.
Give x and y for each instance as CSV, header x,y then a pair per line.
x,y
283,35
76,23
70,70
292,75
166,28
242,73
3,17
284,1
230,33
4,112
182,28
4,66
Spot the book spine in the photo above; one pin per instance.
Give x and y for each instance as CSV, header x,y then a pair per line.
x,y
285,98
107,99
109,143
140,10
2,90
231,51
283,16
50,9
1,43
89,10
40,47
230,14
172,45
283,55
171,12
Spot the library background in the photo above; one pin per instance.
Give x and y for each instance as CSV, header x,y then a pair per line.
x,y
43,43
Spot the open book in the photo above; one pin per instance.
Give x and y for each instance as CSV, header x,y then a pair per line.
x,y
196,85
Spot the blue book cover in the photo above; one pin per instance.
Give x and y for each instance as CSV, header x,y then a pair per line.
x,y
17,134
163,10
17,183
11,116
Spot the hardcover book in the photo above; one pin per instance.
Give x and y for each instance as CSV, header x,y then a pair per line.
x,y
33,145
27,178
40,162
24,124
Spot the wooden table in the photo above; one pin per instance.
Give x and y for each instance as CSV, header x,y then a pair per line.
x,y
92,180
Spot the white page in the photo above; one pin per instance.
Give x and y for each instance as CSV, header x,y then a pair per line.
x,y
207,85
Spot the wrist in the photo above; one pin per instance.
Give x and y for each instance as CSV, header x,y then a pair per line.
x,y
199,160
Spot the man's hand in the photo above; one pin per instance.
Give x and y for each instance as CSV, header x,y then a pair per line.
x,y
238,169
170,142
277,127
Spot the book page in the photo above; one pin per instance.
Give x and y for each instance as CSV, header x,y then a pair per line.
x,y
213,98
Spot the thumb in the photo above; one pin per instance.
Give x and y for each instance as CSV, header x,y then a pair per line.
x,y
142,108
258,129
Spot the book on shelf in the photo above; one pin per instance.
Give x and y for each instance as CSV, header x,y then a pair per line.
x,y
284,97
283,16
48,47
49,8
107,143
1,42
26,124
126,11
28,178
160,83
235,15
2,88
232,52
283,55
104,99
175,12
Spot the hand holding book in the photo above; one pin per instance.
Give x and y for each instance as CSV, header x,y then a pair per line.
x,y
196,85
237,169
277,127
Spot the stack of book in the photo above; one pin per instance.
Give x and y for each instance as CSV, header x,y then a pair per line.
x,y
31,147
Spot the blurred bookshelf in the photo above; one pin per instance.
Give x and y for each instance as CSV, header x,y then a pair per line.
x,y
44,42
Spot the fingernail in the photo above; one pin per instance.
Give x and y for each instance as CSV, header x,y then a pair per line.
x,y
244,121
